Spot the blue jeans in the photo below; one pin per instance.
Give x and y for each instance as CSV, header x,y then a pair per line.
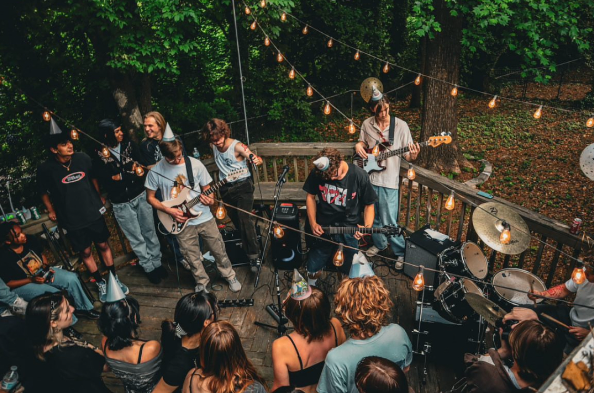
x,y
322,252
136,220
7,297
386,213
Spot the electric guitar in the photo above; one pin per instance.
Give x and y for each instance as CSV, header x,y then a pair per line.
x,y
373,163
184,203
388,230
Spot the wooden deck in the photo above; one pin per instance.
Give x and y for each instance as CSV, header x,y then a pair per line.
x,y
158,303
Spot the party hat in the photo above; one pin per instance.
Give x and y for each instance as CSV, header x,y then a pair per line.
x,y
360,267
322,163
54,129
114,291
376,95
168,135
300,289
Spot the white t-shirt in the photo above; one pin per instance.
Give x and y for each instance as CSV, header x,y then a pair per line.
x,y
370,133
171,173
580,316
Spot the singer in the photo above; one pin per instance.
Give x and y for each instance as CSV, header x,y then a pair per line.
x,y
229,155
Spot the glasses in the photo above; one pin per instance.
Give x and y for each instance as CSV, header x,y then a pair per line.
x,y
175,160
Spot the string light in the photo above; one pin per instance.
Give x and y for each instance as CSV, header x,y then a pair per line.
x,y
305,30
579,273
309,91
263,3
375,151
327,108
47,116
493,102
357,55
1,80
221,211
505,236
253,25
105,152
351,128
284,17
418,80
266,41
590,122
330,43
538,113
292,73
138,169
454,91
278,232
450,203
247,10
280,57
411,174
419,281
74,134
338,259
386,68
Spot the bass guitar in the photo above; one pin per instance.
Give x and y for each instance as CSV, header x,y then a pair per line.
x,y
185,203
373,162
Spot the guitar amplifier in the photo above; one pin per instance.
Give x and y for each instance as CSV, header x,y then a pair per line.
x,y
286,251
233,246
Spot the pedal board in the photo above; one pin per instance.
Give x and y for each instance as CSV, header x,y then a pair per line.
x,y
236,303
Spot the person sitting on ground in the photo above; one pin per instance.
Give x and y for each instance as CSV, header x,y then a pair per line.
x,y
75,366
224,366
23,268
535,350
298,358
181,338
363,304
378,375
11,304
136,362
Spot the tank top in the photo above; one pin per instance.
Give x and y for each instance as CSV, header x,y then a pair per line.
x,y
311,375
139,377
227,162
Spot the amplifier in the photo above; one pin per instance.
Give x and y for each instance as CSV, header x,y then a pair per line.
x,y
233,246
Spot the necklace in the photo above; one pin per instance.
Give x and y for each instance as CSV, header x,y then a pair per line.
x,y
67,166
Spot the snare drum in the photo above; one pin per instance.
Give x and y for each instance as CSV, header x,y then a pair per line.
x,y
466,260
450,302
510,287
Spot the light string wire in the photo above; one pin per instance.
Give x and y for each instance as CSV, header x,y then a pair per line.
x,y
429,76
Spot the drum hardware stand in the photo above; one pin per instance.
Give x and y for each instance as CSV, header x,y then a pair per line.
x,y
418,331
480,339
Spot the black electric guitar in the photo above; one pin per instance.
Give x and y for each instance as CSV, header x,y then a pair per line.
x,y
388,230
373,163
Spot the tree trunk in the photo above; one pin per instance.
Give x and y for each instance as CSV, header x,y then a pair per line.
x,y
145,94
124,95
440,113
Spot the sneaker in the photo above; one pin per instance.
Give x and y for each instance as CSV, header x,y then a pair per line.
x,y
399,265
200,288
372,251
162,271
234,285
102,287
185,264
254,265
123,286
19,306
153,276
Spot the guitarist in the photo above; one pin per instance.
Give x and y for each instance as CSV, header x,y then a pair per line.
x,y
229,155
171,175
391,133
343,190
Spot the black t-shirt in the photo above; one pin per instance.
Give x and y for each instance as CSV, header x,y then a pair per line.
x,y
176,370
76,369
341,201
151,152
15,266
72,193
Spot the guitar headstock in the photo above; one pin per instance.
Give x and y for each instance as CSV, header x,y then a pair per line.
x,y
444,138
236,174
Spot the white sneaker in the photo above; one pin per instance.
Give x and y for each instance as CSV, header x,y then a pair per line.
x,y
399,265
372,251
102,287
200,288
234,285
19,306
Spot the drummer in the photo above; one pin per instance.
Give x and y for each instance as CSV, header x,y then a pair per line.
x,y
577,318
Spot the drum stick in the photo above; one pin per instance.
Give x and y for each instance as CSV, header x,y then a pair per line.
x,y
532,290
555,320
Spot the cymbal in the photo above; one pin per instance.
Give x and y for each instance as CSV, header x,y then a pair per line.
x,y
490,311
587,161
488,221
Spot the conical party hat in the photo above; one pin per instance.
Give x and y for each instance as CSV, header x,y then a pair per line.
x,y
322,163
376,95
54,129
300,289
114,291
360,267
168,135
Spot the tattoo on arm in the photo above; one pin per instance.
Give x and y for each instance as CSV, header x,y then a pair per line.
x,y
556,292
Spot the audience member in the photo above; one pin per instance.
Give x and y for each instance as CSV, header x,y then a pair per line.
x,y
378,375
288,389
136,362
181,338
10,303
298,358
75,366
224,366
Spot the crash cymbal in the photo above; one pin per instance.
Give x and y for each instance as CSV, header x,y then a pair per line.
x,y
490,311
488,220
587,161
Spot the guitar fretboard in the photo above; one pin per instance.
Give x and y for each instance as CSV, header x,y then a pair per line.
x,y
194,201
352,230
389,153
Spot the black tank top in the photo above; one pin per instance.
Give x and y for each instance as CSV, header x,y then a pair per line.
x,y
311,375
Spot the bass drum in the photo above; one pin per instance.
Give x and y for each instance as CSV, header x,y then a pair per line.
x,y
450,301
510,287
466,260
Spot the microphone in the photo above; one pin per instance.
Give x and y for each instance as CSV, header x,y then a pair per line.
x,y
282,178
252,157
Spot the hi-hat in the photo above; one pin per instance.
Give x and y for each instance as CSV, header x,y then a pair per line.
x,y
489,220
490,311
587,161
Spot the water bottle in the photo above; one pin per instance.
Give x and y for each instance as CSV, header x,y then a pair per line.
x,y
11,379
196,153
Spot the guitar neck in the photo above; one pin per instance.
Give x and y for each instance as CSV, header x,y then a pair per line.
x,y
194,201
351,230
403,150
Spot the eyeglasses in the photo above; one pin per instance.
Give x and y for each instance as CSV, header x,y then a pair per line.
x,y
175,160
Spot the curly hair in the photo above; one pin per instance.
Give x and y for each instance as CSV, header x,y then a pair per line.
x,y
335,158
310,317
363,305
214,129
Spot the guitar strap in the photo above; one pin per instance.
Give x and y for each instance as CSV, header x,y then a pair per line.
x,y
392,127
189,171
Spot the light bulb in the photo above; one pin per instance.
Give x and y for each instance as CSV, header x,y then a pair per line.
x,y
386,68
357,55
538,113
174,191
330,43
262,3
338,259
278,232
253,25
305,30
579,274
309,91
450,203
292,73
327,108
590,122
138,169
375,151
419,281
74,134
284,17
352,129
454,91
411,174
280,57
505,236
266,41
1,80
418,80
105,152
247,10
493,102
47,116
221,212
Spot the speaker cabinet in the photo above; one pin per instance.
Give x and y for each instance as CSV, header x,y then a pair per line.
x,y
234,246
286,251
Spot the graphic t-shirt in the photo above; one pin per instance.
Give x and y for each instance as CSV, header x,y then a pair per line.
x,y
71,191
341,201
15,266
151,152
227,162
165,177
